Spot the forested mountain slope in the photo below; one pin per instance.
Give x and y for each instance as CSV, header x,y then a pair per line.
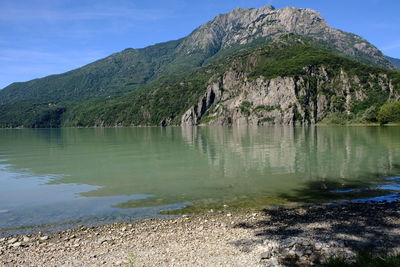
x,y
288,81
130,82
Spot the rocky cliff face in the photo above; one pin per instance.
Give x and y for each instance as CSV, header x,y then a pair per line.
x,y
243,26
233,98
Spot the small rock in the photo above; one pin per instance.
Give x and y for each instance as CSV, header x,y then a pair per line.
x,y
118,262
123,229
229,215
308,252
299,253
292,253
16,245
303,258
266,255
272,245
101,241
288,243
318,246
12,240
333,243
325,250
43,238
26,239
274,261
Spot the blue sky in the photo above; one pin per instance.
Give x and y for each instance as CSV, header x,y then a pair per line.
x,y
43,37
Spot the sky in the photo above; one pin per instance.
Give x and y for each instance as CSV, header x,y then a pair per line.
x,y
43,37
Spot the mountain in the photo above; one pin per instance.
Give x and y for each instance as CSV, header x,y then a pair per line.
x,y
395,61
289,81
158,84
131,68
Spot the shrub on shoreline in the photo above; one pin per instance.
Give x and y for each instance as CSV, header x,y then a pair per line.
x,y
389,113
366,260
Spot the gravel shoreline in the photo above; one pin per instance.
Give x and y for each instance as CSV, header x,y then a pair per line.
x,y
285,236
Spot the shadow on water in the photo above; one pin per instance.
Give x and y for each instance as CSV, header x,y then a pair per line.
x,y
328,190
361,223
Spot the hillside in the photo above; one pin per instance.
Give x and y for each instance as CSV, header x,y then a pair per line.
x,y
157,84
289,81
395,61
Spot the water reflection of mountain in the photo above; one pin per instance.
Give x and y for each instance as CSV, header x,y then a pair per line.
x,y
178,165
314,152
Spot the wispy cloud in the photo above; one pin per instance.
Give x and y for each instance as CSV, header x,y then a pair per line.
x,y
13,13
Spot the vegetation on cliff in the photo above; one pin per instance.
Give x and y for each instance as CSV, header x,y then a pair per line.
x,y
156,84
164,100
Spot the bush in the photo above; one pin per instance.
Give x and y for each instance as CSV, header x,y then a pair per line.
x,y
389,113
366,260
369,115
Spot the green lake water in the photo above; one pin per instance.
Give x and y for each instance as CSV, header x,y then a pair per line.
x,y
90,176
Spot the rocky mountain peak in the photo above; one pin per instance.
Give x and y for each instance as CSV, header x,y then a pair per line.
x,y
242,25
245,25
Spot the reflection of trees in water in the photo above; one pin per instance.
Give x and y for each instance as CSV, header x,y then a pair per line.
x,y
311,152
241,161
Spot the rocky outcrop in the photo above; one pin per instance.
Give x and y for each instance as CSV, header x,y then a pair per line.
x,y
212,96
235,99
243,26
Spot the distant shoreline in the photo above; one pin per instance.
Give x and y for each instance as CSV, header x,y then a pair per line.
x,y
227,126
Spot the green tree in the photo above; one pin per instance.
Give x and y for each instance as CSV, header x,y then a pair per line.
x,y
389,113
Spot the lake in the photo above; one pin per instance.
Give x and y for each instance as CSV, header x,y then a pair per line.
x,y
64,177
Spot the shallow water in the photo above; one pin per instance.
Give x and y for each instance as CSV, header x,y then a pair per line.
x,y
85,176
